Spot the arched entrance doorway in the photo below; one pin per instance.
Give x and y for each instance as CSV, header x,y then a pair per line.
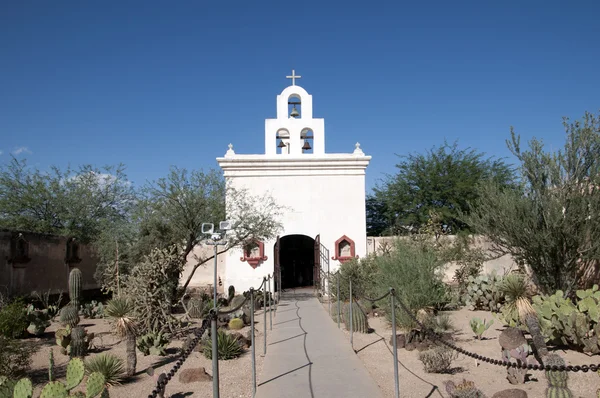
x,y
296,260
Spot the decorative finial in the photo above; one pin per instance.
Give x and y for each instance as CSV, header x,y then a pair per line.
x,y
357,150
293,77
230,151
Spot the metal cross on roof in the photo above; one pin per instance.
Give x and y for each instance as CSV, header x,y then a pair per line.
x,y
293,77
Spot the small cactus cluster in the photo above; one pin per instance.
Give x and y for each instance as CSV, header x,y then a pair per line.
x,y
557,379
479,327
51,365
465,389
359,320
519,355
95,385
73,341
483,293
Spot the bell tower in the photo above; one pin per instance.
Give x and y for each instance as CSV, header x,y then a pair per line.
x,y
294,132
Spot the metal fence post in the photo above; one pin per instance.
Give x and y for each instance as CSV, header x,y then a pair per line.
x,y
265,314
329,291
270,305
215,352
395,342
338,299
351,320
252,342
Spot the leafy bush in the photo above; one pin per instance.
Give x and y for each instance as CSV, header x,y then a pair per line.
x,y
363,273
110,366
415,270
13,320
438,359
228,346
567,323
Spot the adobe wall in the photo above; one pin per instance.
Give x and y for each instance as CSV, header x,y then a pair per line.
x,y
46,268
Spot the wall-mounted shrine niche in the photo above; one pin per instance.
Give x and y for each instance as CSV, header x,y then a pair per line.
x,y
344,249
254,253
19,251
72,257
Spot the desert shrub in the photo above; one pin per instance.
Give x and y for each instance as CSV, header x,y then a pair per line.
x,y
438,359
110,366
15,357
363,273
13,320
415,270
228,346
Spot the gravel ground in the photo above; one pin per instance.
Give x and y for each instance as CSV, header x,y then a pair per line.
x,y
376,353
235,375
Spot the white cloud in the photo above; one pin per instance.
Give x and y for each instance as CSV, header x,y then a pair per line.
x,y
1,152
22,149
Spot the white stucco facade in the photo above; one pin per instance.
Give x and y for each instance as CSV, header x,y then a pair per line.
x,y
325,193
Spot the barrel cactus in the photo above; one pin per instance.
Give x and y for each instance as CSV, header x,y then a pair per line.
x,y
236,324
69,316
75,287
360,322
557,379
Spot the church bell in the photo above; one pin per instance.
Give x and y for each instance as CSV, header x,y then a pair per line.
x,y
306,146
281,144
294,112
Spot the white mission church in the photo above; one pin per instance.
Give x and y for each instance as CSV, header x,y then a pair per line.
x,y
324,193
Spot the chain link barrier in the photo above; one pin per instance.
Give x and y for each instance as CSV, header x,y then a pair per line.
x,y
162,382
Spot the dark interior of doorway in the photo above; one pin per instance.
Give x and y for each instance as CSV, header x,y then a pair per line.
x,y
296,259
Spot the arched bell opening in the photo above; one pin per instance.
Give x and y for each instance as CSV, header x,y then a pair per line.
x,y
296,260
294,106
307,137
282,141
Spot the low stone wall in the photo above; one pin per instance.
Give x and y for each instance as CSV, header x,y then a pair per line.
x,y
40,262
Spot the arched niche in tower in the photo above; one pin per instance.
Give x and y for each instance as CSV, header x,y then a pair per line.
x,y
307,136
282,141
295,106
294,94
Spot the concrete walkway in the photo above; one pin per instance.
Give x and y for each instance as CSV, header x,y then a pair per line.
x,y
308,356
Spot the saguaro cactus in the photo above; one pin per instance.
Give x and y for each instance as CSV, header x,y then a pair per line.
x,y
75,287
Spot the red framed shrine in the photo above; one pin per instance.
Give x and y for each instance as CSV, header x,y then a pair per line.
x,y
345,249
254,253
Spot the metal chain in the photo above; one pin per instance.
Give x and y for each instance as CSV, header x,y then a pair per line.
x,y
562,368
161,384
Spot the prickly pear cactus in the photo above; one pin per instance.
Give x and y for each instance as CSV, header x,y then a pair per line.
x,y
75,373
69,316
95,384
75,287
23,389
63,339
483,293
54,389
360,322
519,355
6,387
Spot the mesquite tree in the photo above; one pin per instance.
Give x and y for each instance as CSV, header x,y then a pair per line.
x,y
552,223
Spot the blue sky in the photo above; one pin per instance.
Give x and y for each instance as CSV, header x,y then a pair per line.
x,y
153,84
